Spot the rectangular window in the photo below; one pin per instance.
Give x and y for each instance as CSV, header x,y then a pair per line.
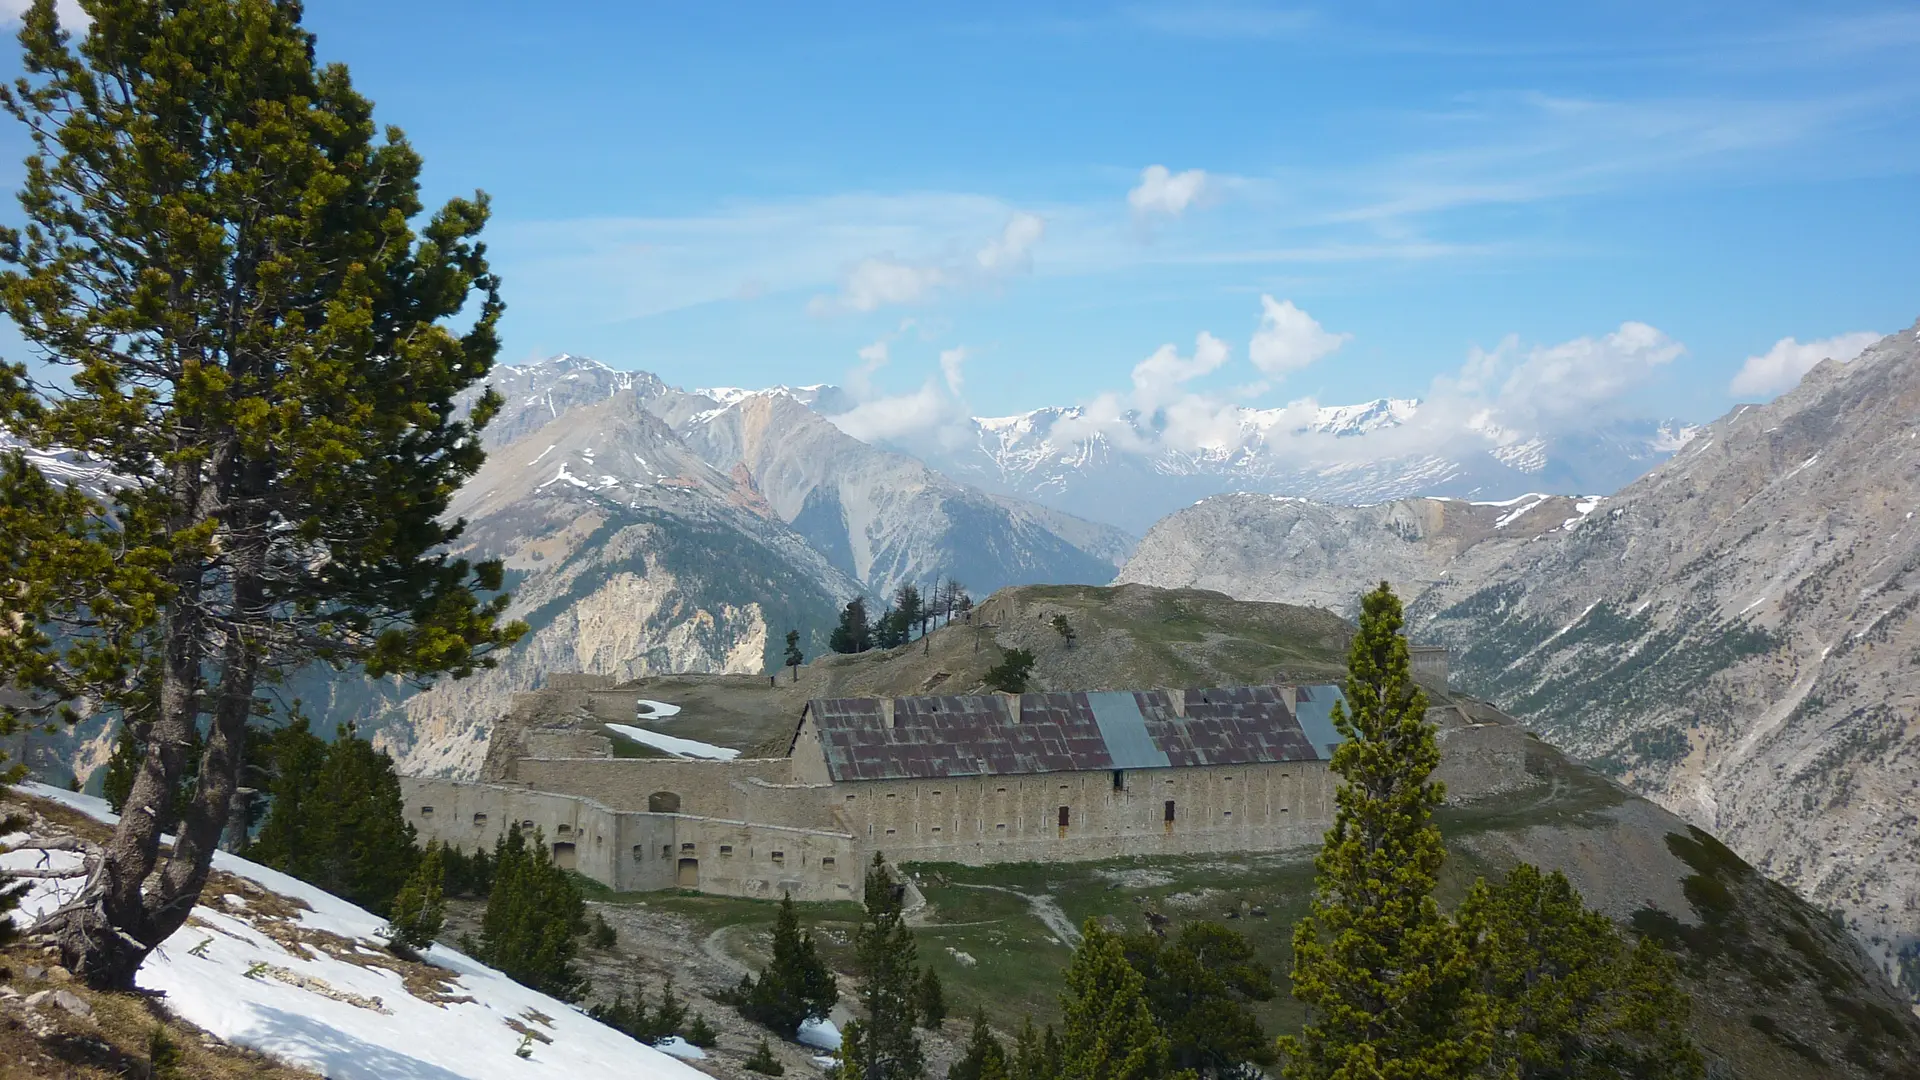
x,y
639,852
826,862
890,832
1065,817
936,828
779,856
1169,817
426,811
479,819
1119,780
1002,791
726,849
849,798
562,830
666,851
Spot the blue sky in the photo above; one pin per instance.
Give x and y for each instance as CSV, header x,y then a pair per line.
x,y
751,194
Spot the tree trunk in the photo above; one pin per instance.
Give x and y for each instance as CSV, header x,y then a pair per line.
x,y
106,931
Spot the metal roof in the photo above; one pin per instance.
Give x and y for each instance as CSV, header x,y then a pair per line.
x,y
1001,735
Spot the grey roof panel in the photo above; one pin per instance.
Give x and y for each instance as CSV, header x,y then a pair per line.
x,y
1313,707
1125,731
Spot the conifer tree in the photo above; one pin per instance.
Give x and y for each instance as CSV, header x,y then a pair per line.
x,y
796,985
763,1062
985,1058
219,248
129,750
1380,967
11,892
336,818
420,909
882,1043
1035,1056
1201,987
1108,1032
854,634
1010,675
1558,993
908,608
930,1000
533,914
794,656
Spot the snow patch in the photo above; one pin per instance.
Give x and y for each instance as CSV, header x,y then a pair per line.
x,y
350,1022
542,454
649,708
678,747
820,1034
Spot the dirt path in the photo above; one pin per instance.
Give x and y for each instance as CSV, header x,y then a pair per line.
x,y
1044,908
714,947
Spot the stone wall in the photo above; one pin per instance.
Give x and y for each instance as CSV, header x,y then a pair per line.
x,y
989,819
641,851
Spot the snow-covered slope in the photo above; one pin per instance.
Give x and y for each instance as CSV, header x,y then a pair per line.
x,y
1127,472
276,965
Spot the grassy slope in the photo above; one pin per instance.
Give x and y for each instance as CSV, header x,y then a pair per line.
x,y
1812,1007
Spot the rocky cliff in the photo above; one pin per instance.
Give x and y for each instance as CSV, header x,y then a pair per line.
x,y
1297,551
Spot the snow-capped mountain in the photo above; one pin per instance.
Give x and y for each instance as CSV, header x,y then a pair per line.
x,y
1128,473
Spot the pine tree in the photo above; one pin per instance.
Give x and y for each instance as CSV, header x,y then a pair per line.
x,y
854,634
700,1033
1559,993
985,1058
763,1062
1108,1032
1065,629
219,249
336,819
882,1044
1034,1056
794,656
930,1000
908,608
1201,987
419,910
11,892
1380,967
533,913
796,985
121,766
1010,675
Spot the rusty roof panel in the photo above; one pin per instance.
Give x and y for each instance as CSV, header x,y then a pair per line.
x,y
993,734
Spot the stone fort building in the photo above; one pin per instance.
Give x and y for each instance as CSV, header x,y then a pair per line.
x,y
970,779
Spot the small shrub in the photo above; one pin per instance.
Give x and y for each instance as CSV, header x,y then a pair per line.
x,y
701,1034
763,1062
603,936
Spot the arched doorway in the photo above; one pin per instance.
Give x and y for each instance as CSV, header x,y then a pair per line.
x,y
663,802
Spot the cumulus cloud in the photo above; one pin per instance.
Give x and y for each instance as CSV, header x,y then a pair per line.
x,y
918,414
1289,339
950,364
1559,382
872,358
1162,191
877,282
1781,367
1012,250
1160,374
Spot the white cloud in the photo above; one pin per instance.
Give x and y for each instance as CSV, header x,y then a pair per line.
x,y
1574,378
1156,378
1781,367
1012,250
918,414
950,364
874,283
1289,339
1163,192
872,358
